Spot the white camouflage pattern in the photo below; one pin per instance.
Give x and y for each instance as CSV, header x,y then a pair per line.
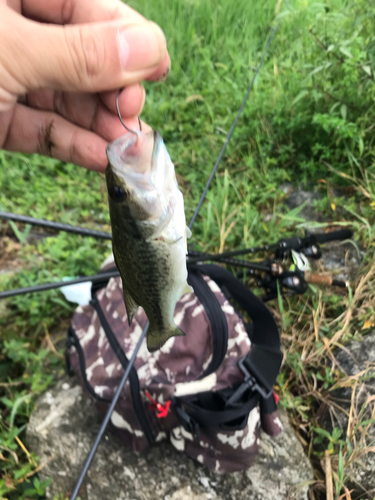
x,y
173,371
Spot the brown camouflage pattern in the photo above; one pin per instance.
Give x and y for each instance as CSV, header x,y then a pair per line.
x,y
174,370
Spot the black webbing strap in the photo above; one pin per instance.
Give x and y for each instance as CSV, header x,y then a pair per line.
x,y
264,359
213,418
217,319
133,376
73,340
268,405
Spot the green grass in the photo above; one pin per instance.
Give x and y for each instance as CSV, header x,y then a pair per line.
x,y
309,121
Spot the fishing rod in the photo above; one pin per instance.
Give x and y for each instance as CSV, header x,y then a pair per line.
x,y
105,276
198,257
107,417
201,200
59,284
97,278
308,245
281,246
55,225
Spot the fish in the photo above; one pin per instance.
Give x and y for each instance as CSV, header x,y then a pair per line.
x,y
149,232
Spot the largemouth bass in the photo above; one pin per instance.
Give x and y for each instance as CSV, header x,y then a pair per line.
x,y
148,231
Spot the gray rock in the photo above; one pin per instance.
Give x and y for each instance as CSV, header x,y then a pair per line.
x,y
358,358
62,429
342,259
299,197
286,187
296,198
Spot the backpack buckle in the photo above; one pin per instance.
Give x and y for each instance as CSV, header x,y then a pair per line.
x,y
188,423
249,382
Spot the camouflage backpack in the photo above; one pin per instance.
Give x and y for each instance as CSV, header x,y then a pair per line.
x,y
209,392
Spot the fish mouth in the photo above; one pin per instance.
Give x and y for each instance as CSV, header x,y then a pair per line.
x,y
117,151
141,161
130,158
122,152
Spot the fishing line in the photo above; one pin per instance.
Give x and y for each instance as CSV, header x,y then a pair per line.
x,y
271,37
131,362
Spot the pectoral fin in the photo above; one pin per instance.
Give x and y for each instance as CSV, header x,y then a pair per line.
x,y
131,306
169,241
187,289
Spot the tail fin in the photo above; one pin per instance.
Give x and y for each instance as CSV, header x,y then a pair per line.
x,y
157,338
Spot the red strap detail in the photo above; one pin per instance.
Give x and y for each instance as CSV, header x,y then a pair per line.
x,y
162,409
277,398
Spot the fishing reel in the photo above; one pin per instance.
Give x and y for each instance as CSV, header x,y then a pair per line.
x,y
292,281
276,279
307,246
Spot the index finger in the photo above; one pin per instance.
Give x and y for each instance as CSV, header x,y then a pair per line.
x,y
79,11
88,11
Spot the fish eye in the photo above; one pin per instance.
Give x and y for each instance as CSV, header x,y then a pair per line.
x,y
117,193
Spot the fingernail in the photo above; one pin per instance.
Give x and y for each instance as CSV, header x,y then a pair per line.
x,y
164,76
141,46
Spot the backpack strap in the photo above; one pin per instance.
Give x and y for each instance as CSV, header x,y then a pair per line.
x,y
261,366
133,376
73,341
216,317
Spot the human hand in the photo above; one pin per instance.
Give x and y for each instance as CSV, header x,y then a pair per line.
x,y
58,81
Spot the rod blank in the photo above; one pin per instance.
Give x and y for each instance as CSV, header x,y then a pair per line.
x,y
58,226
59,284
107,417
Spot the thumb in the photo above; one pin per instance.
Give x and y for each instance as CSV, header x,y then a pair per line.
x,y
88,57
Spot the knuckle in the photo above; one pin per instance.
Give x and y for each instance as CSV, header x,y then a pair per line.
x,y
7,109
7,100
45,142
74,149
67,8
93,53
59,104
88,54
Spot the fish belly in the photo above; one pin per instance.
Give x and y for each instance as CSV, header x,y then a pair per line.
x,y
154,277
172,268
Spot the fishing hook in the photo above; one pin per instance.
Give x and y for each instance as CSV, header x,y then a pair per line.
x,y
120,117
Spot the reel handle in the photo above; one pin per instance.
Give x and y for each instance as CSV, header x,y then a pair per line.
x,y
341,234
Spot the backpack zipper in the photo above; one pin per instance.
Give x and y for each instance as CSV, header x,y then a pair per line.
x,y
216,317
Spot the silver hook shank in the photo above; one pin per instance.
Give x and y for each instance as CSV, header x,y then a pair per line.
x,y
120,117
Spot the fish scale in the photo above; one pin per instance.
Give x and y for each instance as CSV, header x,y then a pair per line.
x,y
149,231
